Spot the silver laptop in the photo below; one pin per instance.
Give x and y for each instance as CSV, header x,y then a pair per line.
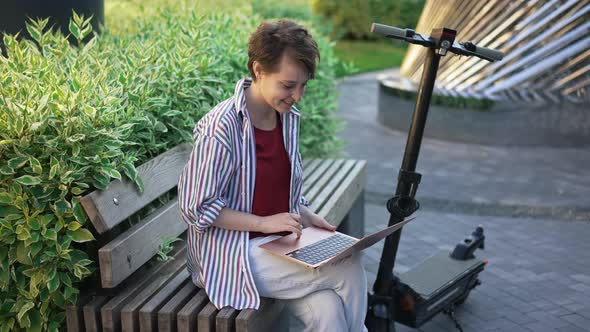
x,y
317,246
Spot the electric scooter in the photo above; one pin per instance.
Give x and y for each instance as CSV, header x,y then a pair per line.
x,y
444,280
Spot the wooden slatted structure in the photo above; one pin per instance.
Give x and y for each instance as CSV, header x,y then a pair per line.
x,y
143,294
546,44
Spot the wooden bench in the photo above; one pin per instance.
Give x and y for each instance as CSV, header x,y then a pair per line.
x,y
140,293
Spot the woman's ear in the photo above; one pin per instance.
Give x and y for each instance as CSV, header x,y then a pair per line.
x,y
257,68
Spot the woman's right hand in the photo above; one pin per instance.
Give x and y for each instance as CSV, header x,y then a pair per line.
x,y
282,222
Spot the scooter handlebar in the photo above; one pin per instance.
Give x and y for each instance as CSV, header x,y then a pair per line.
x,y
489,53
388,31
469,48
466,48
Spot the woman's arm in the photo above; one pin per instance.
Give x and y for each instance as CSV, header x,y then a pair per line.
x,y
241,221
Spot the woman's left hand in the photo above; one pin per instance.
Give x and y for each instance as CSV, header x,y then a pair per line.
x,y
317,221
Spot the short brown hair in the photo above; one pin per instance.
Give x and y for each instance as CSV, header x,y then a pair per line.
x,y
271,39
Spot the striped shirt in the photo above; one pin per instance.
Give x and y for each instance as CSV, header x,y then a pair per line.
x,y
221,172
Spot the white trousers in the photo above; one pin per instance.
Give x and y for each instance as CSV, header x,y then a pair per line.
x,y
330,298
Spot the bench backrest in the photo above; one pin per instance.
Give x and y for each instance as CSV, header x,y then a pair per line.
x,y
331,185
107,208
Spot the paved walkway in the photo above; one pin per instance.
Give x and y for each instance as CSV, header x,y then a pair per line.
x,y
534,203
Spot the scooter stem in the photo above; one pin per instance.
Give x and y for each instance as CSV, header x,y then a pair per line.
x,y
407,189
403,204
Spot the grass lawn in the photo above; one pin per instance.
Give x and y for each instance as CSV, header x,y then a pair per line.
x,y
370,55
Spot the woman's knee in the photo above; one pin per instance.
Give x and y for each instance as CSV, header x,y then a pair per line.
x,y
320,311
352,267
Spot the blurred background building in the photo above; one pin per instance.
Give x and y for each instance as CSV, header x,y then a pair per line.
x,y
547,47
545,72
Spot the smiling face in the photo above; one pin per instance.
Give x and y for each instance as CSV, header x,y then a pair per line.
x,y
284,87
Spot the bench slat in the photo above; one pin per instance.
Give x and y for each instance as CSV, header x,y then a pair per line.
x,y
75,315
167,314
318,184
319,171
327,189
225,320
263,319
130,312
130,250
309,167
206,318
159,175
187,316
305,162
110,312
92,320
341,201
148,314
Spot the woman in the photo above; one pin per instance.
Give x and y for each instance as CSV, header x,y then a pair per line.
x,y
242,188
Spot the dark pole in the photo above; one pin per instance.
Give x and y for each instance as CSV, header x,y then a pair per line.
x,y
404,204
420,113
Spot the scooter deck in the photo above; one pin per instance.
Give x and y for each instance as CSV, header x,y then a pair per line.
x,y
434,285
435,273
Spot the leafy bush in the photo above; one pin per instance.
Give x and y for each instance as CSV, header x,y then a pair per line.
x,y
72,119
369,55
352,19
296,9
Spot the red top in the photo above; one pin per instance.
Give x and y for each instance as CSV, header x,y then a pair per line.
x,y
273,174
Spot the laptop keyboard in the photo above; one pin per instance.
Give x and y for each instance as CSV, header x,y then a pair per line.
x,y
323,249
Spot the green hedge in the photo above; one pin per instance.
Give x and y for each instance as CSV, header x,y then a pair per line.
x,y
75,118
297,9
352,19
